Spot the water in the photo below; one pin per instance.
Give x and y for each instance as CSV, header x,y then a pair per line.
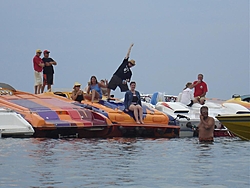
x,y
124,162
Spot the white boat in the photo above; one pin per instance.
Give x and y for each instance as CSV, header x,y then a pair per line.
x,y
189,117
13,124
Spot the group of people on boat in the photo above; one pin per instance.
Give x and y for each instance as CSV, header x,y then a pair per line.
x,y
93,91
188,97
43,71
132,101
96,90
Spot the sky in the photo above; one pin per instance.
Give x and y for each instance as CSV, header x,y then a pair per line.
x,y
173,40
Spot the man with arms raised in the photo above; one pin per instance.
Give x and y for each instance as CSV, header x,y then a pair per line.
x,y
122,75
206,126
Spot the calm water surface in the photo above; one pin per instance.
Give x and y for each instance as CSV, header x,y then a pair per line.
x,y
124,162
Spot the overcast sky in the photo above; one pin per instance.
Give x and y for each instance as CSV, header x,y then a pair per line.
x,y
173,40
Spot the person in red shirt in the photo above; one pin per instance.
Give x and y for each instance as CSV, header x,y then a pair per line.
x,y
38,68
200,90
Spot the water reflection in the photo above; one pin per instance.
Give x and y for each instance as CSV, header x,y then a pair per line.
x,y
125,162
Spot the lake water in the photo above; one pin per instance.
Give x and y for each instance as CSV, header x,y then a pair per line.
x,y
124,162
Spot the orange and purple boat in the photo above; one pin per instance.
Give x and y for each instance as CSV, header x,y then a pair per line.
x,y
156,123
54,118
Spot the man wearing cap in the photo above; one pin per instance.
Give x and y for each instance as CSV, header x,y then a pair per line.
x,y
48,70
38,68
122,75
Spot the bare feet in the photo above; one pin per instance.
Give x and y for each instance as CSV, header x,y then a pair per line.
x,y
142,122
138,122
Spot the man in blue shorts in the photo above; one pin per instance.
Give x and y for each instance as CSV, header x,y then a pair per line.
x,y
122,75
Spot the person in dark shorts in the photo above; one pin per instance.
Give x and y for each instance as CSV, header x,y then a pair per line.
x,y
48,70
122,75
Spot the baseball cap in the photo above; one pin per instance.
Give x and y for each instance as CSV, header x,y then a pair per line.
x,y
46,51
38,51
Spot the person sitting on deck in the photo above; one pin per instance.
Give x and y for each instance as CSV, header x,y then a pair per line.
x,y
104,89
95,89
187,96
77,93
132,102
200,90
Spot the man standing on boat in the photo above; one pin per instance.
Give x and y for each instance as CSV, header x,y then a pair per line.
x,y
206,126
38,68
48,70
200,90
122,75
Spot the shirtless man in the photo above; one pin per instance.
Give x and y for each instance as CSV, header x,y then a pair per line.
x,y
206,126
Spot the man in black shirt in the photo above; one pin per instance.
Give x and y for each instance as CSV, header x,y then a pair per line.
x,y
48,70
122,75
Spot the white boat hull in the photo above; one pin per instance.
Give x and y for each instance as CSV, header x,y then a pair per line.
x,y
192,114
13,124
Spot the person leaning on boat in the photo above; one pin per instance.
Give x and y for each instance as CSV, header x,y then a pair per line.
x,y
38,65
77,93
122,75
132,102
200,89
95,89
206,126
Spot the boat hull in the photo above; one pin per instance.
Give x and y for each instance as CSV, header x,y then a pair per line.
x,y
13,124
238,124
75,132
155,122
54,118
189,118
